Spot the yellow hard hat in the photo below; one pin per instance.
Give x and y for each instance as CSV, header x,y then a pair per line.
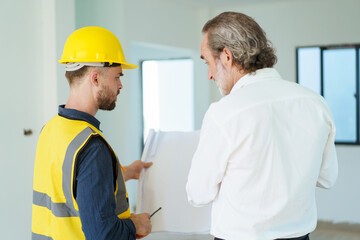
x,y
94,44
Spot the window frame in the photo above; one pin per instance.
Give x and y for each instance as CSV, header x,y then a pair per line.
x,y
357,84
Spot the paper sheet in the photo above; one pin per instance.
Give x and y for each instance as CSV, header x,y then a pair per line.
x,y
163,184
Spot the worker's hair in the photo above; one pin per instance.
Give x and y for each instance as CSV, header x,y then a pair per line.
x,y
74,77
243,37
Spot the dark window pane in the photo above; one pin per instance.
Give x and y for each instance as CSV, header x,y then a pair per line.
x,y
339,90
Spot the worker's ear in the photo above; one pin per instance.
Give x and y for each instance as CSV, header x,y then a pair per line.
x,y
226,58
94,78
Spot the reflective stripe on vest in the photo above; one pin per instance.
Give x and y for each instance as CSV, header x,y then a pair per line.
x,y
58,209
35,236
122,206
74,146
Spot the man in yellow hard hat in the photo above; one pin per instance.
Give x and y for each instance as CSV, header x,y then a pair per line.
x,y
79,185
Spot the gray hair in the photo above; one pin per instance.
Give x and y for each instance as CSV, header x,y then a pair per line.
x,y
243,37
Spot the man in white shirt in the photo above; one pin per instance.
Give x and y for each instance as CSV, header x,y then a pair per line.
x,y
265,146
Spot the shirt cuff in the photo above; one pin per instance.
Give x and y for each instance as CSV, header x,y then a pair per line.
x,y
132,228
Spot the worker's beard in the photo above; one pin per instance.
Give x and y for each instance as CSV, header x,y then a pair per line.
x,y
106,99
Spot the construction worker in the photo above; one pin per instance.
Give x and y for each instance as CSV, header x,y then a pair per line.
x,y
79,185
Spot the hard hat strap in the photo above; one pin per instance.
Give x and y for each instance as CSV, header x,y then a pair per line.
x,y
70,67
73,66
107,64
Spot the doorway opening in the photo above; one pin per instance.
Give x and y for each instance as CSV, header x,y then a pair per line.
x,y
168,95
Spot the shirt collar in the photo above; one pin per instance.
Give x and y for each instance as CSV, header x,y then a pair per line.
x,y
258,76
78,115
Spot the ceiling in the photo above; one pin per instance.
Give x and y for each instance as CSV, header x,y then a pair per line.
x,y
219,3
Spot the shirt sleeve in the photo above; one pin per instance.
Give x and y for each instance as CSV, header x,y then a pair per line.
x,y
95,195
208,164
329,166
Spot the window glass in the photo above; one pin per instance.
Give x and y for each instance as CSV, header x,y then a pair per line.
x,y
339,69
309,69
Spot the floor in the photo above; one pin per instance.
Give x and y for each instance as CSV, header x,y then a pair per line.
x,y
324,231
334,235
339,231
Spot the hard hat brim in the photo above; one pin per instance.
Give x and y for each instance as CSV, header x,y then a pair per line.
x,y
128,66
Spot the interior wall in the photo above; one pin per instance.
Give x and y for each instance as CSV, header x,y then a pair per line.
x,y
64,26
290,24
162,22
29,97
155,22
22,107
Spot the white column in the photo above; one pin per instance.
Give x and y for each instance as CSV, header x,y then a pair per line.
x,y
48,65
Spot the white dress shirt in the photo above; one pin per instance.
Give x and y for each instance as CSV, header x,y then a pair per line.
x,y
262,151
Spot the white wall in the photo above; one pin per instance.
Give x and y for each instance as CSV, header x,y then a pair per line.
x,y
21,107
28,99
64,26
289,24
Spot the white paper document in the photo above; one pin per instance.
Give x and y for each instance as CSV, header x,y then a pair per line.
x,y
163,184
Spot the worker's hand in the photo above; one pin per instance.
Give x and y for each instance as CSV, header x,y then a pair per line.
x,y
142,224
134,169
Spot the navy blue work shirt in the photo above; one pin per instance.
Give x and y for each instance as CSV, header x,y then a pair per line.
x,y
94,191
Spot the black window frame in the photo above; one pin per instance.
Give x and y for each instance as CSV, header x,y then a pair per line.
x,y
357,87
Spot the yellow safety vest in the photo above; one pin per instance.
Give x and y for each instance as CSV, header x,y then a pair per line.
x,y
55,213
